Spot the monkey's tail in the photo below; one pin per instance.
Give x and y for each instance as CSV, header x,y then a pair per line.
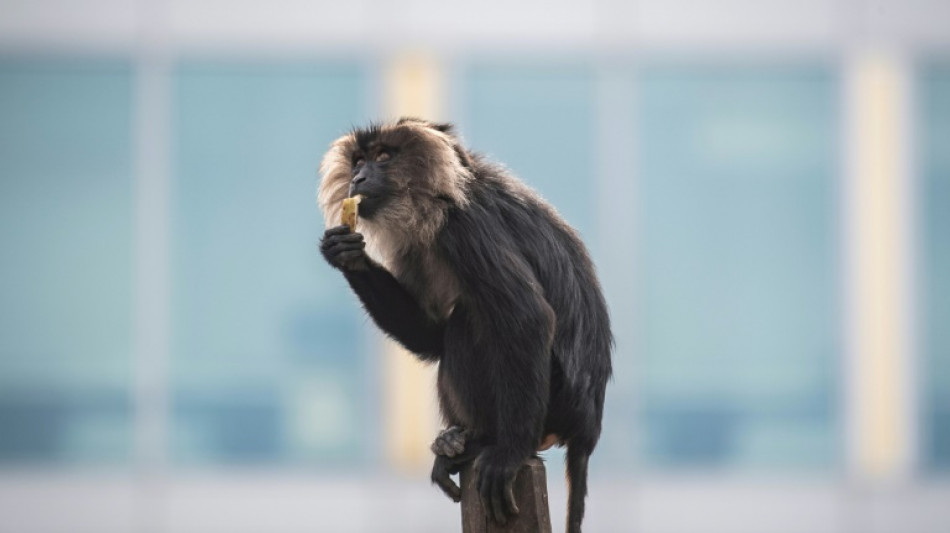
x,y
577,458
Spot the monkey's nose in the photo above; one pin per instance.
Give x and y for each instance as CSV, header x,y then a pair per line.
x,y
360,177
355,183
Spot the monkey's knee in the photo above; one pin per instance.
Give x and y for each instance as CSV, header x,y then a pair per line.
x,y
450,442
549,440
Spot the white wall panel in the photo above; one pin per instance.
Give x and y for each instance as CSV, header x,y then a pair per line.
x,y
914,21
276,22
693,22
491,21
486,25
66,20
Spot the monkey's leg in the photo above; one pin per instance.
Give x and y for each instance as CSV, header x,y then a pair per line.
x,y
450,442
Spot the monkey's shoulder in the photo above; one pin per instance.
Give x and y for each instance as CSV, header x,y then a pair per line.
x,y
507,215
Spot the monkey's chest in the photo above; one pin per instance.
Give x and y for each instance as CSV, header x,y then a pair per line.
x,y
432,284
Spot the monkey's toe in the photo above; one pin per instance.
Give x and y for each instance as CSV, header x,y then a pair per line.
x,y
496,490
442,478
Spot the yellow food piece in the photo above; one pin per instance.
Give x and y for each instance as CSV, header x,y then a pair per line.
x,y
349,211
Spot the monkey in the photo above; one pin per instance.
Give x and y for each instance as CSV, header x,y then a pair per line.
x,y
465,266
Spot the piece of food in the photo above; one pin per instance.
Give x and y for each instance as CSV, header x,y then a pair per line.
x,y
349,211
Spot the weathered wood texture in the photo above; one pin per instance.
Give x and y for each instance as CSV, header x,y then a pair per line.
x,y
531,494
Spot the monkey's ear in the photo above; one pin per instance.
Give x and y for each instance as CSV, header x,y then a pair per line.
x,y
445,127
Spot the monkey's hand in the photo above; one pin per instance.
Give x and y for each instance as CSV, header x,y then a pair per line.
x,y
343,249
496,479
450,442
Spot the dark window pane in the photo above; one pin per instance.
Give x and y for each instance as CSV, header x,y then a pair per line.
x,y
935,266
65,269
740,337
268,357
539,122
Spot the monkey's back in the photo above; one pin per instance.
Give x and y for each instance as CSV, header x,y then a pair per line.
x,y
517,218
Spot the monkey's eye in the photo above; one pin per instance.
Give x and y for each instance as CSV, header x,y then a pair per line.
x,y
383,156
359,162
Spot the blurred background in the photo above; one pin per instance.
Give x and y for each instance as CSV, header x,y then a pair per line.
x,y
764,184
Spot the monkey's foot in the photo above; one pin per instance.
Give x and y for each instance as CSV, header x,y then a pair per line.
x,y
496,479
450,442
445,466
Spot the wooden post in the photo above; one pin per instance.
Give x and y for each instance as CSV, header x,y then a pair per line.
x,y
531,495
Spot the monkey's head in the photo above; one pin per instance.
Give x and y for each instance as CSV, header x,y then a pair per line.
x,y
408,173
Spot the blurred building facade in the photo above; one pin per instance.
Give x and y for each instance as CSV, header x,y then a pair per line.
x,y
765,187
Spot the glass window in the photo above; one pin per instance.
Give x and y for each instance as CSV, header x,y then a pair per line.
x,y
935,229
539,122
739,276
269,360
65,270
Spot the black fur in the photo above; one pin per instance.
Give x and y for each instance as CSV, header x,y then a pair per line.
x,y
526,350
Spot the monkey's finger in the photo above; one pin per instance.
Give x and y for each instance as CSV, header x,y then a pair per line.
x,y
447,449
440,477
332,247
342,229
348,237
449,488
483,491
441,447
452,490
351,255
457,443
331,239
511,506
497,497
458,464
346,246
486,490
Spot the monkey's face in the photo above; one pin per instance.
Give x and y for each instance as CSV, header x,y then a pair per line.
x,y
376,176
404,171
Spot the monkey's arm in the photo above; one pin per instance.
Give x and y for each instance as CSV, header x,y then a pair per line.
x,y
390,305
512,328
